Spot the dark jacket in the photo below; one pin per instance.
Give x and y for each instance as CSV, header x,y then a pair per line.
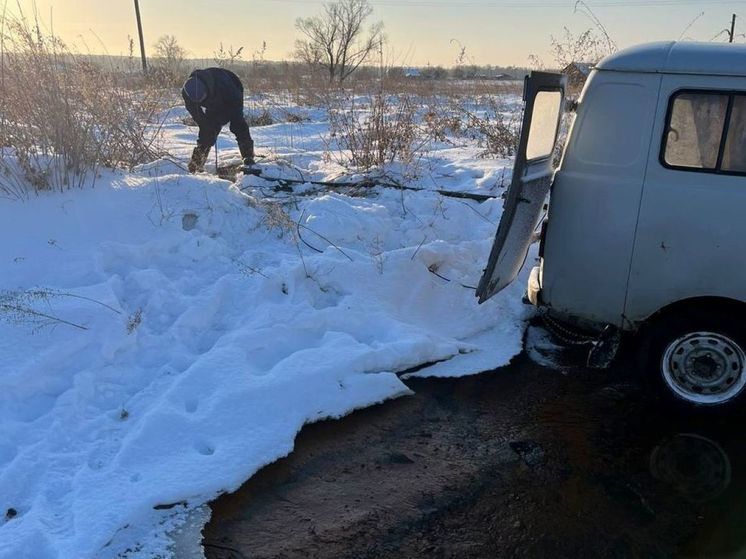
x,y
224,97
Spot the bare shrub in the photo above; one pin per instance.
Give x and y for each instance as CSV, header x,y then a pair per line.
x,y
295,118
585,47
62,117
588,46
382,131
264,118
134,321
495,126
227,58
490,117
440,124
276,217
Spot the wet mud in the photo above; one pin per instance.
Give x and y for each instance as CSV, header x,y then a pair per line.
x,y
525,461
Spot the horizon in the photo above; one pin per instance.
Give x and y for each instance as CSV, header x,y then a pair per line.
x,y
492,32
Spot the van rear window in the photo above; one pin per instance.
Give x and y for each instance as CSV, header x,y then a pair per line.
x,y
706,131
544,124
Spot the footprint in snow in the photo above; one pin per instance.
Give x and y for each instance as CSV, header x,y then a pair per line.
x,y
204,448
190,406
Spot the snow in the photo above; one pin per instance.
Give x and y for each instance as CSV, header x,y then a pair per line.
x,y
200,335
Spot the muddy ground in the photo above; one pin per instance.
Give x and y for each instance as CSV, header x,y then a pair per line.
x,y
525,461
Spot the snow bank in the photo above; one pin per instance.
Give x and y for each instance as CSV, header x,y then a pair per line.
x,y
167,340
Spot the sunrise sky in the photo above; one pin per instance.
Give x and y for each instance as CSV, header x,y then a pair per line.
x,y
499,32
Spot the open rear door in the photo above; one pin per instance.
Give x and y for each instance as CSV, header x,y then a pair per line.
x,y
544,94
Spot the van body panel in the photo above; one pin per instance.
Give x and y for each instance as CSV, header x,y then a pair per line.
x,y
680,57
596,196
691,227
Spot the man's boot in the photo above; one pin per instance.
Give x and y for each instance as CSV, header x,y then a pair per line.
x,y
199,158
247,151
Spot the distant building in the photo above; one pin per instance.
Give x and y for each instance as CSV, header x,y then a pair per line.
x,y
412,73
493,75
577,73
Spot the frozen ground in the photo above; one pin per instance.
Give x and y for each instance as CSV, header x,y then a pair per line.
x,y
164,336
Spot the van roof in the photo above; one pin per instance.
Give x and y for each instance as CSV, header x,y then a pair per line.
x,y
672,57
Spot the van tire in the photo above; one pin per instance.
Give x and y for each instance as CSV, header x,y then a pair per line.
x,y
696,359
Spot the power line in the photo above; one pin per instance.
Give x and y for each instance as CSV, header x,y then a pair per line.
x,y
722,32
527,4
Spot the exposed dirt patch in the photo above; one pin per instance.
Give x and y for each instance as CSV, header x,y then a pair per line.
x,y
521,462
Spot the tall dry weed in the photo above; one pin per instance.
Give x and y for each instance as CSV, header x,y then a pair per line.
x,y
62,116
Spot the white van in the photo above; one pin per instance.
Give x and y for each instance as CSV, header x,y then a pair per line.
x,y
646,229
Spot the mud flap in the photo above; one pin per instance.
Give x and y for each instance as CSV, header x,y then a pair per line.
x,y
604,349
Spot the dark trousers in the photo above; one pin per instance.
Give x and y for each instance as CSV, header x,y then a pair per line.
x,y
208,132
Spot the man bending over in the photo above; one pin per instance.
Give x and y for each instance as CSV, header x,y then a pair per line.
x,y
214,98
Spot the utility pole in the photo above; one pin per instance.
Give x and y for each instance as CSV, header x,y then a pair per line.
x,y
733,28
142,39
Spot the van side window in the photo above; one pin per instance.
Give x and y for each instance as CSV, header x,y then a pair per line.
x,y
695,130
706,132
734,158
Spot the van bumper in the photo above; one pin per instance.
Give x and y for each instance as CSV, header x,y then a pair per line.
x,y
533,290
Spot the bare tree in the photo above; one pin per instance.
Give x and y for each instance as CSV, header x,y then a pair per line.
x,y
170,56
337,40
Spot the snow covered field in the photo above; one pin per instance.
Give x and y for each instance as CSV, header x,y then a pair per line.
x,y
164,336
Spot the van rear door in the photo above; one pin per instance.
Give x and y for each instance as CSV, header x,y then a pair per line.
x,y
544,94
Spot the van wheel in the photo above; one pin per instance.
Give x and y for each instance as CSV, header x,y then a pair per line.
x,y
699,359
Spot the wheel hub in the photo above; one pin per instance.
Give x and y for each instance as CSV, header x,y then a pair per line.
x,y
705,368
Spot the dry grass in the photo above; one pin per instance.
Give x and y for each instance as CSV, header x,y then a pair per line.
x,y
396,121
63,117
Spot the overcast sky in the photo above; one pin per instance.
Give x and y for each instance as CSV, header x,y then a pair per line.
x,y
499,32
